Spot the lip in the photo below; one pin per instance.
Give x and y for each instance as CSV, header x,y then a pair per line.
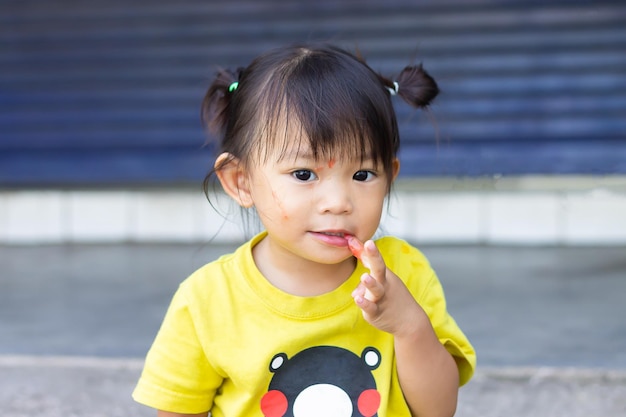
x,y
337,238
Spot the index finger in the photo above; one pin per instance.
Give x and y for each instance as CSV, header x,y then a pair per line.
x,y
370,256
373,260
355,246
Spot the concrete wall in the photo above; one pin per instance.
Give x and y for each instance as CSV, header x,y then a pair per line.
x,y
564,210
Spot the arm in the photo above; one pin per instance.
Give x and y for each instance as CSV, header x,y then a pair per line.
x,y
427,372
161,413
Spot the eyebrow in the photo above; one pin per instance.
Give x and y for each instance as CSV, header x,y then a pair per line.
x,y
293,155
308,155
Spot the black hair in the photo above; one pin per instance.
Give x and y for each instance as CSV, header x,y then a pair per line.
x,y
340,104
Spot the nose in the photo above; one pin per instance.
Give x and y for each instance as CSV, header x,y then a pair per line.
x,y
335,197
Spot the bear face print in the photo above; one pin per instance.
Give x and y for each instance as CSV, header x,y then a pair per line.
x,y
323,381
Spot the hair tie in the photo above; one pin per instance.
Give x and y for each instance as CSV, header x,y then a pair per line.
x,y
233,87
393,91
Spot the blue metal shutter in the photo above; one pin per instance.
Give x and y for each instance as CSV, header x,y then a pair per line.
x,y
105,93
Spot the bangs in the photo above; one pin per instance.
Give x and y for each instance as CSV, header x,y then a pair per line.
x,y
322,103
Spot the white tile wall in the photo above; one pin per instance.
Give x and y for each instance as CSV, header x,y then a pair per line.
x,y
35,216
163,216
399,215
219,220
528,218
99,216
595,217
572,217
4,217
449,217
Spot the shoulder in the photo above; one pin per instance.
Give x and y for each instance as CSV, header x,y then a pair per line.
x,y
398,252
218,275
408,263
221,267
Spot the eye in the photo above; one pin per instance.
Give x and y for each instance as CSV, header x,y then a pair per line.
x,y
304,175
363,175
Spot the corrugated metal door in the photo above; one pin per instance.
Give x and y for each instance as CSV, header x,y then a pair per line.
x,y
98,92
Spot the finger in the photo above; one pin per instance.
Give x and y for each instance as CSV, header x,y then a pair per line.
x,y
374,290
359,291
355,246
368,307
374,261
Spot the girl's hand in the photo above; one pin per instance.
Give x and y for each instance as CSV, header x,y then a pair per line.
x,y
385,301
428,374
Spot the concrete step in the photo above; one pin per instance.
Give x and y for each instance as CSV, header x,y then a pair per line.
x,y
54,386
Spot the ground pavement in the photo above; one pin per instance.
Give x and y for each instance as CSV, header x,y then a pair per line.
x,y
549,325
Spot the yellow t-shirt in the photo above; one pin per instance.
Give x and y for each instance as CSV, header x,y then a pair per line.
x,y
233,344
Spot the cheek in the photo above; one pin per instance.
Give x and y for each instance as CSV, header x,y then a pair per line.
x,y
370,207
283,204
374,197
292,206
278,202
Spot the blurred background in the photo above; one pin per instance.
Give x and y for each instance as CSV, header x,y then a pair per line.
x,y
100,134
514,184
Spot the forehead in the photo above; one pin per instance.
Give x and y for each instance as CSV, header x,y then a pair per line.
x,y
285,137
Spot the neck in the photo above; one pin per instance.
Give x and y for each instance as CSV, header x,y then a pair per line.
x,y
296,275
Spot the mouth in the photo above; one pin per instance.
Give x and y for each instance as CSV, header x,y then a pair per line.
x,y
333,234
341,234
338,238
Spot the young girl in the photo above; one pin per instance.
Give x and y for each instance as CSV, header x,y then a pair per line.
x,y
305,319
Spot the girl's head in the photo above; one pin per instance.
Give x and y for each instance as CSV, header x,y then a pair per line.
x,y
314,97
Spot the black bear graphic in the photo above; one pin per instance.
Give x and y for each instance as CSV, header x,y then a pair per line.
x,y
323,381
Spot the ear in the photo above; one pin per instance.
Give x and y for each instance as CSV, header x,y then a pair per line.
x,y
395,169
233,178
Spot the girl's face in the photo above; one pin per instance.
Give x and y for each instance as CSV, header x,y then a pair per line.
x,y
309,206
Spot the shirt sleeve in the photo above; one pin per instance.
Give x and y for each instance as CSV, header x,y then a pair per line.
x,y
450,335
177,376
415,270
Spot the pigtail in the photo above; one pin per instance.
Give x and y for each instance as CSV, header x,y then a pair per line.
x,y
216,103
414,85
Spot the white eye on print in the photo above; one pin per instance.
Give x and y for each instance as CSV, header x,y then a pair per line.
x,y
371,357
